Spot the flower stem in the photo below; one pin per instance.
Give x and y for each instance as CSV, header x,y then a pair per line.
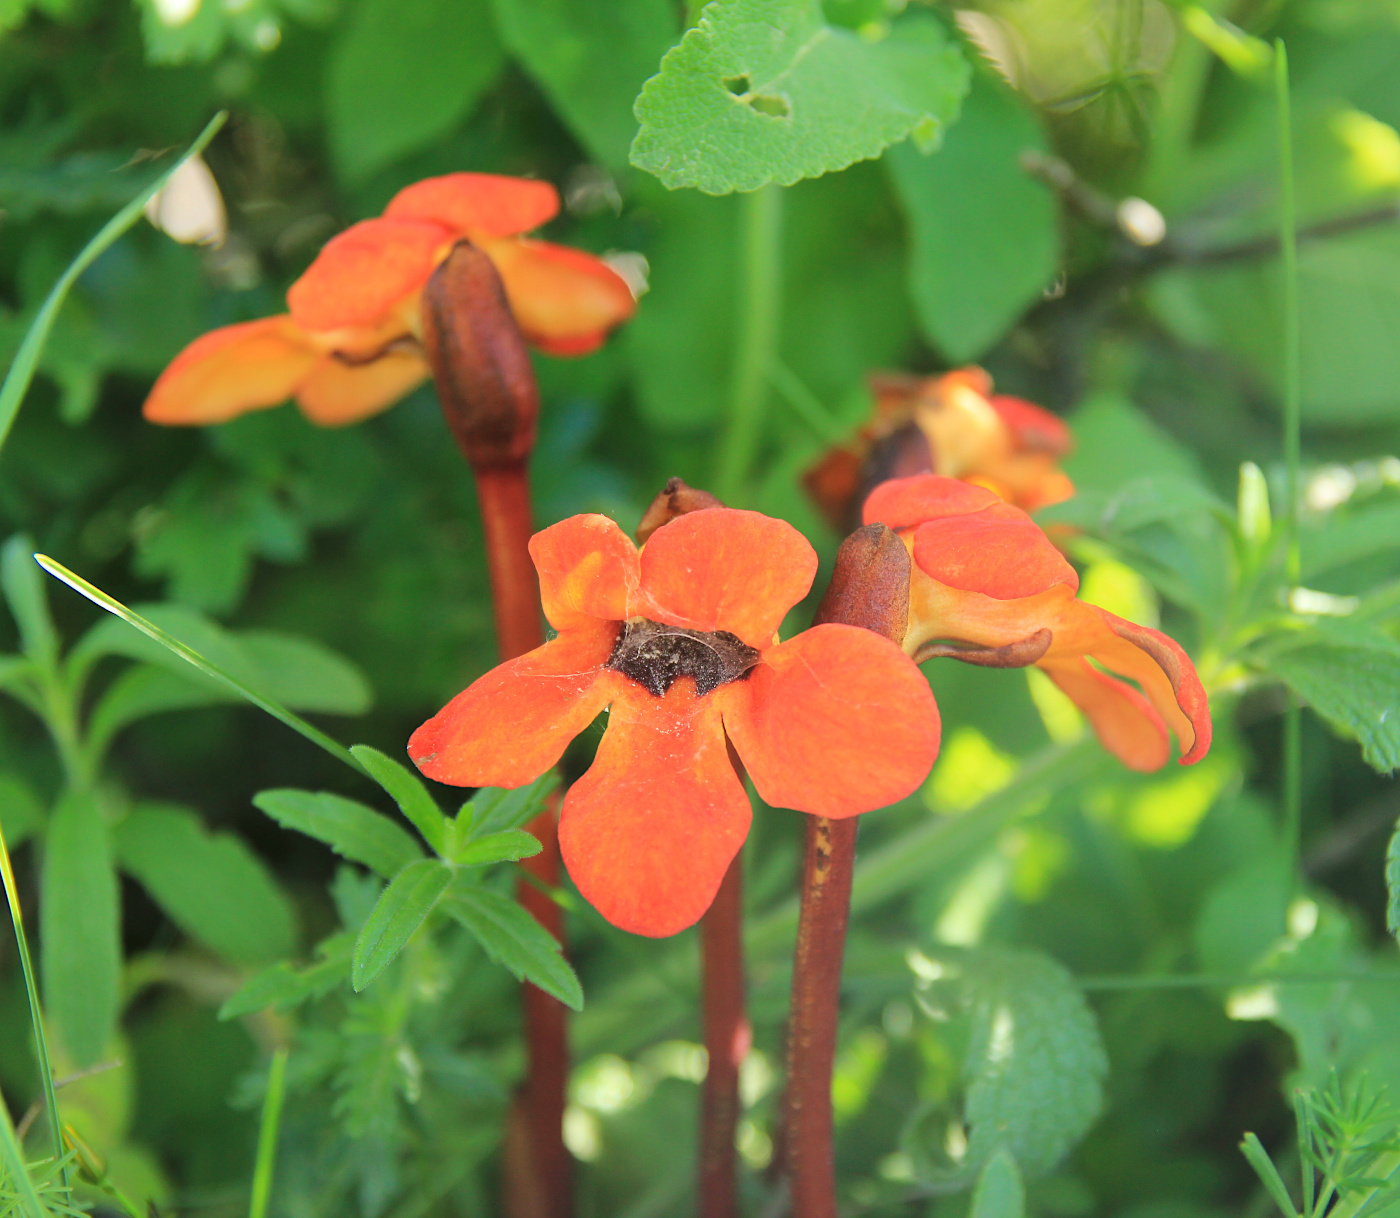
x,y
1292,434
756,340
816,993
727,1039
539,1175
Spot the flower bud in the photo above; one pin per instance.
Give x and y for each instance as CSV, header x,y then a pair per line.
x,y
870,586
675,499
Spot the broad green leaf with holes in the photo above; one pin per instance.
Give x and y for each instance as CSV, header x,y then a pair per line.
x,y
765,91
351,829
1356,689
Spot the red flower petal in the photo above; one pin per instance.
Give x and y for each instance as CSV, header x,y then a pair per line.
x,y
364,272
338,393
649,831
724,569
836,721
903,503
1000,552
231,371
588,569
565,300
1033,426
477,205
509,727
1124,721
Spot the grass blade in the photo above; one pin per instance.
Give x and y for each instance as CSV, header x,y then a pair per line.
x,y
151,630
267,1135
36,1011
21,372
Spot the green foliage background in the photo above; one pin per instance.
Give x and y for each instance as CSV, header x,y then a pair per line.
x,y
342,572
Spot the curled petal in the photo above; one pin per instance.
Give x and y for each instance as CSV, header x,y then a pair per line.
x,y
725,569
337,392
1009,655
231,371
566,301
588,569
1127,725
365,272
480,205
835,722
509,727
1000,552
649,831
1032,426
903,503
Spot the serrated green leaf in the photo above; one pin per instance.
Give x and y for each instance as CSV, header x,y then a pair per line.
x,y
765,91
408,791
495,809
1356,689
25,590
283,987
1034,1065
79,927
503,847
985,234
514,939
561,43
1000,1192
353,830
402,74
407,901
212,886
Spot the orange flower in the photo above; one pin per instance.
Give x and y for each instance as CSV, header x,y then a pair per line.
x,y
350,346
951,425
679,640
988,586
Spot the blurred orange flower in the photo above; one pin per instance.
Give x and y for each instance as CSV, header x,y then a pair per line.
x,y
350,346
953,425
679,641
989,587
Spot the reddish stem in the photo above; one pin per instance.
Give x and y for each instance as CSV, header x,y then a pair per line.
x,y
816,995
727,1040
539,1169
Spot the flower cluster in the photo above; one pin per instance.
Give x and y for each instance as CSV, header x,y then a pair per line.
x,y
678,642
988,586
953,425
350,344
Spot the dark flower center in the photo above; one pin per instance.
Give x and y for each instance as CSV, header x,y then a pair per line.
x,y
655,655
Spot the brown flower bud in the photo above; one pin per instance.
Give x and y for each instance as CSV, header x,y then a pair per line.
x,y
870,586
479,360
675,499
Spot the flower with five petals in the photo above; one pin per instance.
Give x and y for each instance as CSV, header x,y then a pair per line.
x,y
989,587
350,346
679,642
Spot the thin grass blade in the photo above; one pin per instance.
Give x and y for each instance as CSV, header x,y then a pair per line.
x,y
267,1135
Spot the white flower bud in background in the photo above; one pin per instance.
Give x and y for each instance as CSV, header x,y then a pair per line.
x,y
189,208
1140,222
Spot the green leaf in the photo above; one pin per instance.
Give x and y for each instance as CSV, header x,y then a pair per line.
x,y
16,1173
28,599
409,899
1392,884
212,886
283,987
1356,689
495,809
1034,1064
985,234
402,74
1000,1192
765,91
21,813
351,829
1346,537
304,674
1264,1168
408,791
503,847
1243,914
146,690
561,43
514,939
79,928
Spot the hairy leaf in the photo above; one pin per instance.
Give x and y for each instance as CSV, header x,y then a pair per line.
x,y
284,987
407,901
408,791
353,830
212,886
765,91
503,847
1356,689
495,809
